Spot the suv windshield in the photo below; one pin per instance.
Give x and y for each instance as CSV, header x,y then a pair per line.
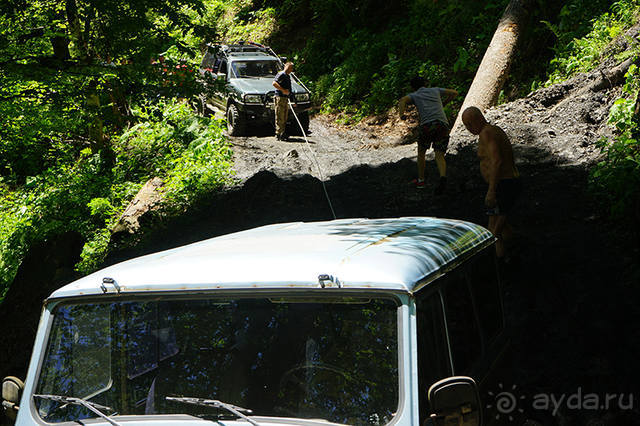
x,y
243,69
332,359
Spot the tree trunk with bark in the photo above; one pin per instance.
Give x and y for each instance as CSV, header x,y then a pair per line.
x,y
494,68
75,29
60,48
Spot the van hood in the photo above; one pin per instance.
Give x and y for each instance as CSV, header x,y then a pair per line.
x,y
260,85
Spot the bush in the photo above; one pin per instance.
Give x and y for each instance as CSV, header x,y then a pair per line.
x,y
36,119
575,55
170,141
616,179
365,67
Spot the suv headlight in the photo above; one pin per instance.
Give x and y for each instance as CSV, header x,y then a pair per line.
x,y
252,99
302,97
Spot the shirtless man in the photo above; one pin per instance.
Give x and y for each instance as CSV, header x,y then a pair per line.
x,y
498,170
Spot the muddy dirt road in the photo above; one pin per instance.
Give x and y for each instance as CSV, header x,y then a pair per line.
x,y
329,151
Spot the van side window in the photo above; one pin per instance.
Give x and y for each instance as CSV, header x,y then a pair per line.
x,y
433,353
464,335
209,61
223,67
486,292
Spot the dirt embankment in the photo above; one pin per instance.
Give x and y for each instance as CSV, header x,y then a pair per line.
x,y
572,285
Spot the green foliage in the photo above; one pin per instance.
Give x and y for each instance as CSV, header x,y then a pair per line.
x,y
101,208
616,179
188,149
53,202
576,54
94,251
80,195
92,104
148,148
201,169
236,20
37,118
362,61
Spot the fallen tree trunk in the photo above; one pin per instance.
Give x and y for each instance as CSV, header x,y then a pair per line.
x,y
148,198
494,68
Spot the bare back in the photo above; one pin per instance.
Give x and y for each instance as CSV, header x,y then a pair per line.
x,y
495,154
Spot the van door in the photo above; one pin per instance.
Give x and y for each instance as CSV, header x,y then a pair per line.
x,y
475,322
486,294
434,362
219,97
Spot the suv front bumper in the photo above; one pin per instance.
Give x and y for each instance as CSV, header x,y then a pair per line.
x,y
266,112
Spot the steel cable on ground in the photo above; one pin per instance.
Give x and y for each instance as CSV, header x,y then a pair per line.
x,y
315,159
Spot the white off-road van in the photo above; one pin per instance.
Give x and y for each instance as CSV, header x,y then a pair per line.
x,y
355,321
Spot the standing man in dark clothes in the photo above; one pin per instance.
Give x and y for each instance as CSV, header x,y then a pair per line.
x,y
499,170
282,83
434,126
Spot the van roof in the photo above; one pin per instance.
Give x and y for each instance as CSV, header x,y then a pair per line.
x,y
398,254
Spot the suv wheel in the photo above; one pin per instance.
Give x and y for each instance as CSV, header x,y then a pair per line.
x,y
200,103
235,124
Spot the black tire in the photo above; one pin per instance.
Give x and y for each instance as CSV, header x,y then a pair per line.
x,y
236,125
201,105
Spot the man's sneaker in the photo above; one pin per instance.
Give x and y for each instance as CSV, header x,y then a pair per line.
x,y
442,184
419,184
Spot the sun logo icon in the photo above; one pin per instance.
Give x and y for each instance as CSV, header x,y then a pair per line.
x,y
505,403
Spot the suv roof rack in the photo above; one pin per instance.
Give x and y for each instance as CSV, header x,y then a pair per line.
x,y
241,47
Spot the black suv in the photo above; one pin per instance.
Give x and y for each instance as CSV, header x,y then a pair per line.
x,y
239,81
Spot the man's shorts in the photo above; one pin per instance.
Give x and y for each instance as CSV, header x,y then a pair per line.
x,y
507,193
436,133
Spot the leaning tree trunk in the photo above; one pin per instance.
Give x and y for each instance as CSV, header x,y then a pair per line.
x,y
494,68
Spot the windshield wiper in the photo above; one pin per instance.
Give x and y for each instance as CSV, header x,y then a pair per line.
x,y
91,406
216,404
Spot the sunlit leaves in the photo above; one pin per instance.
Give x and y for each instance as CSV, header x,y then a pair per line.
x,y
616,179
580,54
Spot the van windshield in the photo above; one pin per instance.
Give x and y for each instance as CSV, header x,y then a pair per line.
x,y
335,360
244,69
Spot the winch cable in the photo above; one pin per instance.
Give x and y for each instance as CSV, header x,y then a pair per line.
x,y
304,134
315,159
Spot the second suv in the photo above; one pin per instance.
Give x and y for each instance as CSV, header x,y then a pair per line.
x,y
239,81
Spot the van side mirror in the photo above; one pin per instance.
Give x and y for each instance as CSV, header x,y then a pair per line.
x,y
222,76
455,400
12,388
